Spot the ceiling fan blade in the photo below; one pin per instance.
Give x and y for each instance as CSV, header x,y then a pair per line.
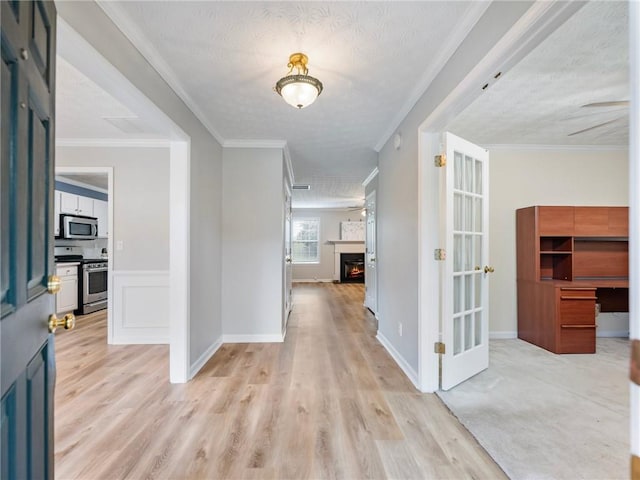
x,y
595,126
617,103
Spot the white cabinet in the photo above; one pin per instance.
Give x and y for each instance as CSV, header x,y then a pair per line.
x,y
67,297
75,204
100,211
78,205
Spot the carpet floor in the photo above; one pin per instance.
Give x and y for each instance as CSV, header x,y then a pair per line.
x,y
547,416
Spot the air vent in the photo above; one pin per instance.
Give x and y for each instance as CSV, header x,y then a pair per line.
x,y
301,187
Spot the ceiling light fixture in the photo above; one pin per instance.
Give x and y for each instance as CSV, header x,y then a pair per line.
x,y
298,90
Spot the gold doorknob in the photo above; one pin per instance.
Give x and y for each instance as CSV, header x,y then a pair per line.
x,y
68,322
488,269
53,284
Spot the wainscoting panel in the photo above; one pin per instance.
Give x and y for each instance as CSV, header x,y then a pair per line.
x,y
140,307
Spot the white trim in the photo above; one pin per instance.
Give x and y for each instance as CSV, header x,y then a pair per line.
x,y
612,334
205,357
265,338
249,143
399,359
312,280
453,40
577,148
109,172
503,335
149,52
634,210
179,261
371,176
113,142
287,161
129,325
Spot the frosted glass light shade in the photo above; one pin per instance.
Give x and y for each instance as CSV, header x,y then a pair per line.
x,y
299,91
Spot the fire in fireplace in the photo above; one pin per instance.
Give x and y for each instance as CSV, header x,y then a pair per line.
x,y
352,268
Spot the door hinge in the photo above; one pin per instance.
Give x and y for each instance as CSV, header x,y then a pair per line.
x,y
440,160
438,347
439,254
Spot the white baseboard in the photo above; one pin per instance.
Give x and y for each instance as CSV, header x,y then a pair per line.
x,y
612,333
312,280
204,358
502,335
140,304
275,338
399,359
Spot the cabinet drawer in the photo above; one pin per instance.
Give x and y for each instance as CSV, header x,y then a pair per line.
x,y
67,272
577,307
577,340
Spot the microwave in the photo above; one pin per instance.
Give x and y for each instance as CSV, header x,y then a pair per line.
x,y
78,227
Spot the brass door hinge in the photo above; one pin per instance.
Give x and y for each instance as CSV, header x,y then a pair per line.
x,y
439,254
440,160
438,347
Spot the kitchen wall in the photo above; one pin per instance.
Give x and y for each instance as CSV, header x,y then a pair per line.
x,y
329,230
140,201
524,177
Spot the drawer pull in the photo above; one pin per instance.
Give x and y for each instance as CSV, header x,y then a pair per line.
x,y
577,298
578,326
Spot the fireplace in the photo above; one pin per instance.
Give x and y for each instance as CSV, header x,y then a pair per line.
x,y
352,268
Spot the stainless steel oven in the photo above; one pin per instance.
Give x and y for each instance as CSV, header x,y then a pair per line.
x,y
93,288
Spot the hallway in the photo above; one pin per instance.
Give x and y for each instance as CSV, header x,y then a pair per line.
x,y
329,402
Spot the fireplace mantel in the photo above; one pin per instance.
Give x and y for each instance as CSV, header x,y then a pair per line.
x,y
344,246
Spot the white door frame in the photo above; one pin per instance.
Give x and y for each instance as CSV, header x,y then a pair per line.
x,y
78,52
634,217
367,200
109,172
534,26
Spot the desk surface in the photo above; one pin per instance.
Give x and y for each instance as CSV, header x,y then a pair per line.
x,y
591,283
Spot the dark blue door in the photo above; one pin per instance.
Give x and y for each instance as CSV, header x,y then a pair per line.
x,y
26,196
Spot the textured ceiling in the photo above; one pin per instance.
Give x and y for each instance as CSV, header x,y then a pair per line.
x,y
224,58
539,101
84,110
231,54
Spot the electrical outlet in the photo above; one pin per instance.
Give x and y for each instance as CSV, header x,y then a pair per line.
x,y
400,328
598,309
119,245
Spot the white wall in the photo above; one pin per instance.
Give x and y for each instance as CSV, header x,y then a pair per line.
x,y
252,244
205,176
140,201
521,178
398,202
329,230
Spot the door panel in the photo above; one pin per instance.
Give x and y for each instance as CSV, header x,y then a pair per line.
x,y
371,275
26,211
465,293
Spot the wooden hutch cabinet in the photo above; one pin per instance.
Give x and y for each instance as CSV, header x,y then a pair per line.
x,y
569,259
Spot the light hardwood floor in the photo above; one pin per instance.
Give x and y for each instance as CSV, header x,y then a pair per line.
x,y
329,402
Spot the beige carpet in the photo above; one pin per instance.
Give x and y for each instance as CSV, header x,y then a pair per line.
x,y
547,416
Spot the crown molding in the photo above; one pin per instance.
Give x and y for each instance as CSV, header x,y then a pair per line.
x,y
576,148
453,41
130,30
371,176
113,142
256,143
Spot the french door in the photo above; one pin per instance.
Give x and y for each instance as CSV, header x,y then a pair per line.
x,y
26,215
465,330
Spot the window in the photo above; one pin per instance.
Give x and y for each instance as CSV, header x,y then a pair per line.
x,y
305,240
